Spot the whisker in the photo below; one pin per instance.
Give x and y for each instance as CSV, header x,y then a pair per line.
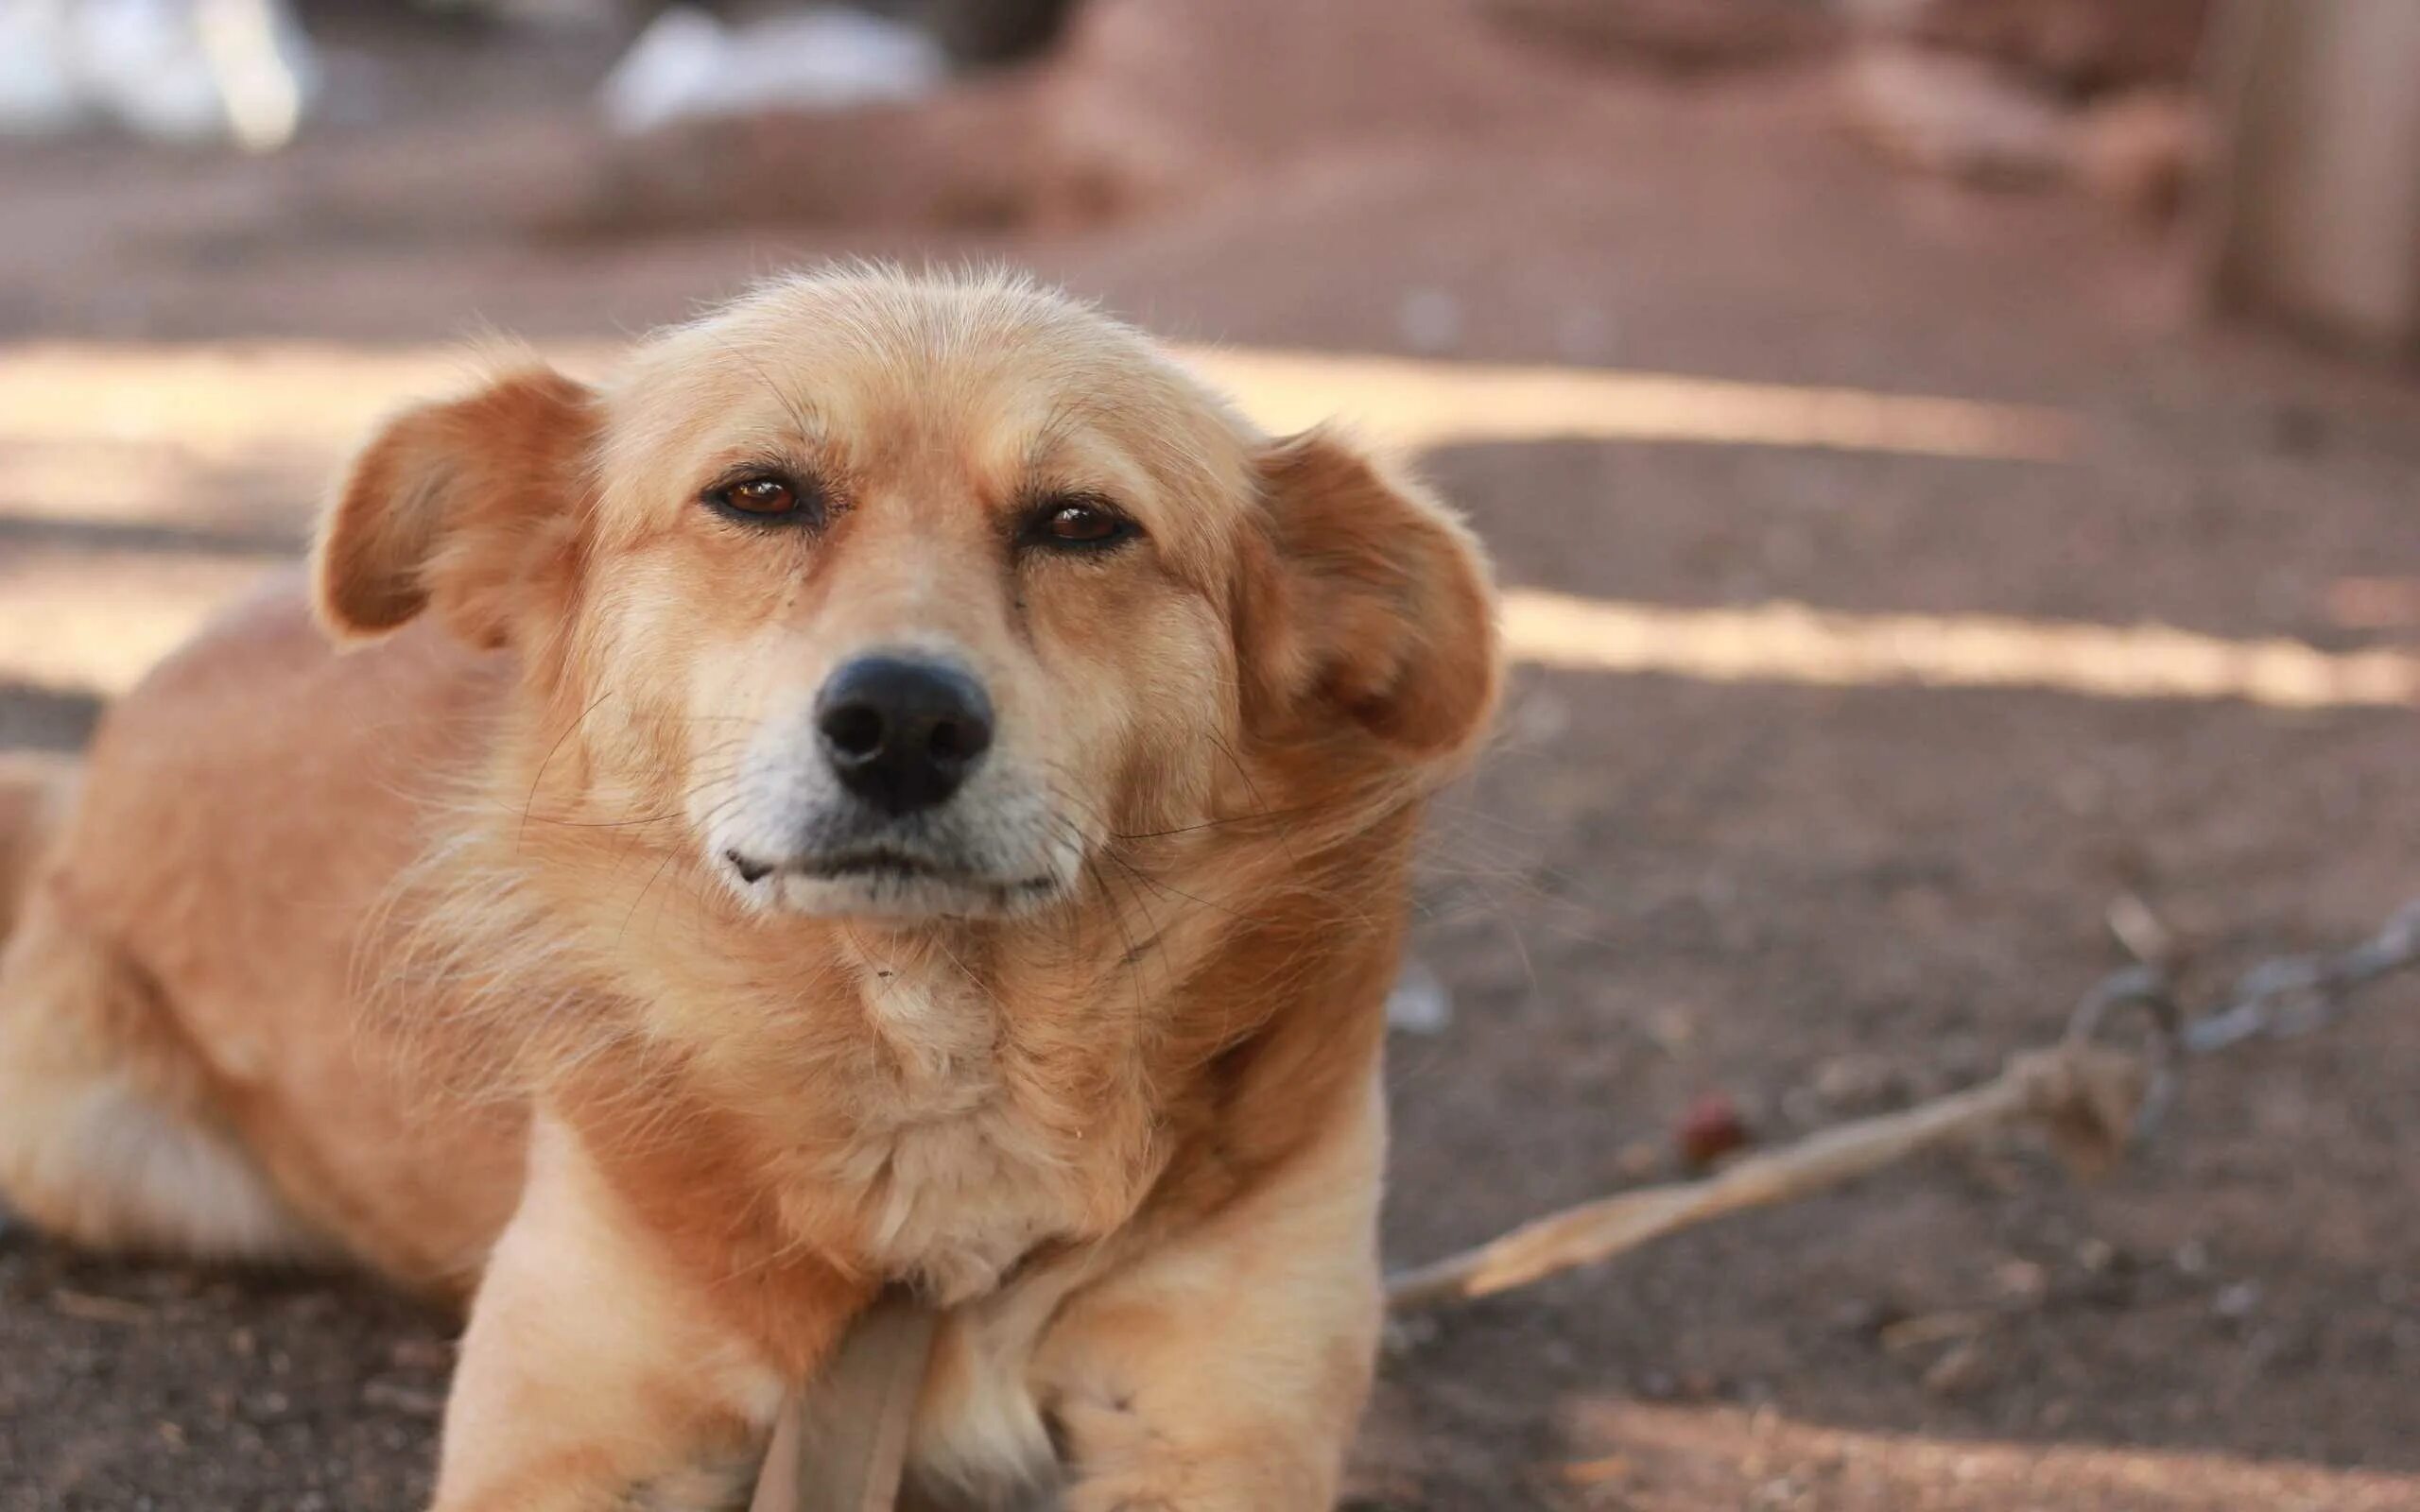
x,y
539,776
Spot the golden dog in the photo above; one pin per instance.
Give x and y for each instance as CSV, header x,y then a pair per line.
x,y
903,786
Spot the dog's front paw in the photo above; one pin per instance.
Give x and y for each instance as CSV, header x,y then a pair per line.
x,y
1126,1468
1122,1463
1178,1485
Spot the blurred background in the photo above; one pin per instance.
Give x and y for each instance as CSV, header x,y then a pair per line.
x,y
1953,464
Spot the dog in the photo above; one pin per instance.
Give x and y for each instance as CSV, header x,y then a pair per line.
x,y
902,787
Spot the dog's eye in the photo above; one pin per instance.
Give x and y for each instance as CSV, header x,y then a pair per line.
x,y
760,496
1079,522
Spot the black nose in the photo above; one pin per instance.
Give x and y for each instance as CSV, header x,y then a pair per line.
x,y
903,733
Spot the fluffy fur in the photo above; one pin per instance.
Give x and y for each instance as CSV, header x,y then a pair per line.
x,y
433,951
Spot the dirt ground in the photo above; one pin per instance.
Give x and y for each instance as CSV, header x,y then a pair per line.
x,y
1819,896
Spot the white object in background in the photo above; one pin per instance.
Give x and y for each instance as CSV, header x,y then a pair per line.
x,y
142,62
176,70
688,64
1419,1003
38,95
263,65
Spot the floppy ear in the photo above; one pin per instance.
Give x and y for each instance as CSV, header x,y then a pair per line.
x,y
470,507
1375,605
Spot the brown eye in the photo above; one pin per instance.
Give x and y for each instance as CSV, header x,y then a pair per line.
x,y
1079,522
759,496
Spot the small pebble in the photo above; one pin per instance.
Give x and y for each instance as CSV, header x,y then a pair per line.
x,y
1710,1129
1639,1160
422,1354
1420,1004
411,1401
2023,1281
1963,1368
2238,1301
1859,1084
1862,1316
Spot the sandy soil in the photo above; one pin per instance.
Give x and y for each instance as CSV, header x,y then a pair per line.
x,y
1819,897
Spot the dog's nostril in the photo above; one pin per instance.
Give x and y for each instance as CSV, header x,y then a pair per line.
x,y
855,729
948,741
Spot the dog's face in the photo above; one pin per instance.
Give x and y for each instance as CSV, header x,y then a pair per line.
x,y
908,599
930,583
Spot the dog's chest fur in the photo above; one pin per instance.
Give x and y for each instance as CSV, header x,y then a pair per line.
x,y
966,1152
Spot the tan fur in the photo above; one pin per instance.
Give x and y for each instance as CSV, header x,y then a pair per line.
x,y
432,945
35,791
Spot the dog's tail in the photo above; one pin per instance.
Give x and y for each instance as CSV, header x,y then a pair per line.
x,y
35,790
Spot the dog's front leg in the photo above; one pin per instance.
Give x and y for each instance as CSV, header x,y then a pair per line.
x,y
598,1375
1224,1369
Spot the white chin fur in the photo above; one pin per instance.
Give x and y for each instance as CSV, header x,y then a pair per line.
x,y
882,895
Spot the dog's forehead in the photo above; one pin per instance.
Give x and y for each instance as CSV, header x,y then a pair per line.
x,y
952,397
996,370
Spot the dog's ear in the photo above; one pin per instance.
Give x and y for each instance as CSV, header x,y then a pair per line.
x,y
1371,602
469,509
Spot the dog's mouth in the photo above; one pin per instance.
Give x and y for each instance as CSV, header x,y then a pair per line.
x,y
882,871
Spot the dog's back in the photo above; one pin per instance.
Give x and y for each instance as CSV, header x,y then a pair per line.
x,y
211,843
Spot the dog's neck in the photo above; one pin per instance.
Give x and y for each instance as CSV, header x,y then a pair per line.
x,y
953,1092
977,1137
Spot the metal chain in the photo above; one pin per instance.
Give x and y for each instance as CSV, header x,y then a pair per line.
x,y
2285,997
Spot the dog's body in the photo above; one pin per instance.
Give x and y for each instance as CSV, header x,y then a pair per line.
x,y
903,788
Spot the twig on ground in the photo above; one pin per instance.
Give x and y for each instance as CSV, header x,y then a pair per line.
x,y
2091,1098
2088,1098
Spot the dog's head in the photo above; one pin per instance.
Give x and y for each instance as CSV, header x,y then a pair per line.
x,y
899,598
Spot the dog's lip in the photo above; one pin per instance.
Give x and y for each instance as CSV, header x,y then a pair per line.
x,y
875,864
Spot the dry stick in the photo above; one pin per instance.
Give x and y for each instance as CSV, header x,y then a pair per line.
x,y
2088,1098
